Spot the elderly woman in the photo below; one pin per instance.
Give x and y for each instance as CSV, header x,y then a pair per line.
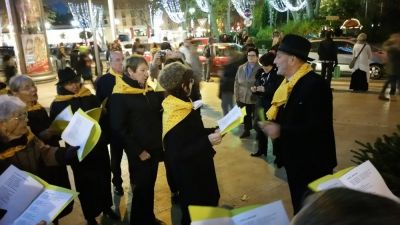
x,y
92,175
188,145
24,88
19,146
360,75
136,118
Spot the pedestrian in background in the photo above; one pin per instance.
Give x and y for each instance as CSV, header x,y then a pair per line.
x,y
244,80
327,52
208,53
300,119
392,48
9,66
267,81
360,75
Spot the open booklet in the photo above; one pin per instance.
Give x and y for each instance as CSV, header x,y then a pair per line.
x,y
82,131
365,177
269,214
28,199
231,120
64,117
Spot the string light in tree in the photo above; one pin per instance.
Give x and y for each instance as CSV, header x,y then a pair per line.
x,y
173,9
284,5
203,5
80,13
300,5
158,18
278,5
242,5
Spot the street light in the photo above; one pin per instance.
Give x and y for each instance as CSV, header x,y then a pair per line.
x,y
192,11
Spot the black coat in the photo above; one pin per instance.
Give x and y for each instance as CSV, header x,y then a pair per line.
x,y
327,50
137,119
38,121
227,81
270,81
92,176
307,140
189,157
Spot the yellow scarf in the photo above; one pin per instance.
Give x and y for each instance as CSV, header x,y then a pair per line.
x,y
11,151
34,107
82,93
4,91
282,93
115,74
175,110
123,88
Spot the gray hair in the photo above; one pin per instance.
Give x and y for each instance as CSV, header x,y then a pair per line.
x,y
9,105
17,82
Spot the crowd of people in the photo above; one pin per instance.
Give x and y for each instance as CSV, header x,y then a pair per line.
x,y
284,99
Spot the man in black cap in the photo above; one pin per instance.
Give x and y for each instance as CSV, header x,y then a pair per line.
x,y
300,119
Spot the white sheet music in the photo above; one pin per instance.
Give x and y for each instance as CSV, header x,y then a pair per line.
x,y
229,118
77,132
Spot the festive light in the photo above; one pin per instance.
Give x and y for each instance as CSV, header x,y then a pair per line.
x,y
300,5
242,5
158,18
278,5
284,5
80,13
203,5
173,9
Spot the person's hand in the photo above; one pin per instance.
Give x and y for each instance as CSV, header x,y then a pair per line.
x,y
253,89
271,129
144,156
71,152
260,89
215,138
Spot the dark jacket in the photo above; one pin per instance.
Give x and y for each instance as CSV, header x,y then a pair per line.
x,y
138,120
327,50
165,45
189,157
104,86
92,175
227,81
307,139
270,81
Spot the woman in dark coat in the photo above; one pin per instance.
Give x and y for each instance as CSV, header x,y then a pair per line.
x,y
188,145
136,117
92,175
267,81
39,122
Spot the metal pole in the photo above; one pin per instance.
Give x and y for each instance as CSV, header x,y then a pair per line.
x,y
229,16
112,19
94,32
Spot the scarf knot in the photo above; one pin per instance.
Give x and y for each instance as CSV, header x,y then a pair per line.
x,y
282,94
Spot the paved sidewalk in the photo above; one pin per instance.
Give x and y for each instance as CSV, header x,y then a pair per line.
x,y
244,180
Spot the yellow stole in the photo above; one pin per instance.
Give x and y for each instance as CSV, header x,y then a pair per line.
x,y
175,110
4,91
115,74
34,107
123,88
82,93
281,95
11,151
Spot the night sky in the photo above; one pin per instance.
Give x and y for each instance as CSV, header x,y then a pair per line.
x,y
59,6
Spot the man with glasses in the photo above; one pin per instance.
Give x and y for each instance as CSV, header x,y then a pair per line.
x,y
244,80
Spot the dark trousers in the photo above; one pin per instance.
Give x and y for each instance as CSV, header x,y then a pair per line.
x,y
393,81
117,151
144,175
248,119
327,71
207,70
262,139
298,179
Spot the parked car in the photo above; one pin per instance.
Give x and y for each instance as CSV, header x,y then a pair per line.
x,y
345,49
221,52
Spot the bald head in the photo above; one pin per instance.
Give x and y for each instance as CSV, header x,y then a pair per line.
x,y
116,61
